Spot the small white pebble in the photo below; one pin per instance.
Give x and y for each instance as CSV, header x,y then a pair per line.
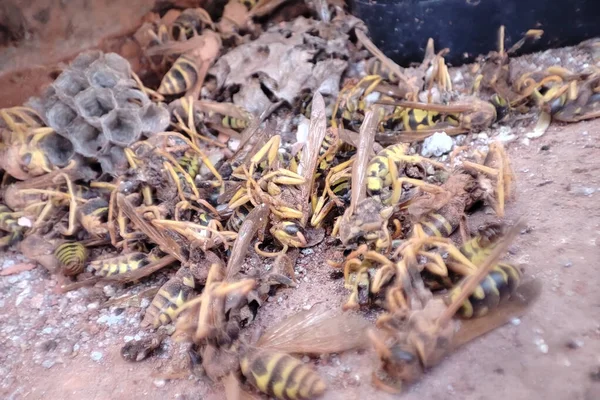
x,y
307,307
159,383
96,356
93,306
109,290
127,338
515,321
24,221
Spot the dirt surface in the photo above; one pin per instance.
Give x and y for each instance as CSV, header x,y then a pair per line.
x,y
67,346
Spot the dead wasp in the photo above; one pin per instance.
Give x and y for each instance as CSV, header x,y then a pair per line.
x,y
416,339
191,22
386,173
121,264
93,216
72,257
269,367
289,206
172,295
188,72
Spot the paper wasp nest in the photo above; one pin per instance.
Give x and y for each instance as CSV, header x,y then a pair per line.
x,y
96,105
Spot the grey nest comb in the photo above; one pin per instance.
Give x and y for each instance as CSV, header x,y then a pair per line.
x,y
97,107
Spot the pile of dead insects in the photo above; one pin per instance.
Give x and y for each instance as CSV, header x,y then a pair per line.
x,y
171,202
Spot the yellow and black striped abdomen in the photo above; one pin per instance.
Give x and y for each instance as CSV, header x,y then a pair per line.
x,y
72,257
416,120
497,287
378,175
120,264
182,76
436,224
190,164
171,296
234,123
8,220
281,375
10,239
234,223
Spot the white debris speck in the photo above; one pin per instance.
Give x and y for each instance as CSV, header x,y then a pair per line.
x,y
302,132
234,144
47,330
307,307
307,252
437,144
541,345
48,363
159,383
144,303
96,356
127,338
137,337
93,306
515,321
525,141
505,134
110,319
23,295
109,290
24,221
584,133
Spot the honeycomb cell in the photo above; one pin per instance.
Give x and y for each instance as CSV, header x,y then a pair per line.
x,y
58,149
59,116
118,64
122,127
155,118
103,77
87,140
95,102
114,162
131,98
70,83
84,60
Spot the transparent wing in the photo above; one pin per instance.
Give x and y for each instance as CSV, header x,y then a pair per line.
x,y
256,219
310,154
316,331
166,243
518,304
365,145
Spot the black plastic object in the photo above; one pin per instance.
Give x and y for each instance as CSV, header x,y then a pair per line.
x,y
400,28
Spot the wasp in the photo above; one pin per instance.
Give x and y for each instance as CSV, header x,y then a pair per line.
x,y
93,216
191,22
72,257
269,367
419,338
189,70
121,264
172,295
385,169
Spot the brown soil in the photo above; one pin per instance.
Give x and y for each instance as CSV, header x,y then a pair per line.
x,y
48,341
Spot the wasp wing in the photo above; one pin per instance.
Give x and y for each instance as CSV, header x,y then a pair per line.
x,y
389,64
254,222
518,304
484,268
363,155
316,331
166,243
310,154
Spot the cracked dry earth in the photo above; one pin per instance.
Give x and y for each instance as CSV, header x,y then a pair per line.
x,y
67,346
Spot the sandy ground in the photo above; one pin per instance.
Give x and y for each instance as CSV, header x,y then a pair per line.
x,y
67,346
